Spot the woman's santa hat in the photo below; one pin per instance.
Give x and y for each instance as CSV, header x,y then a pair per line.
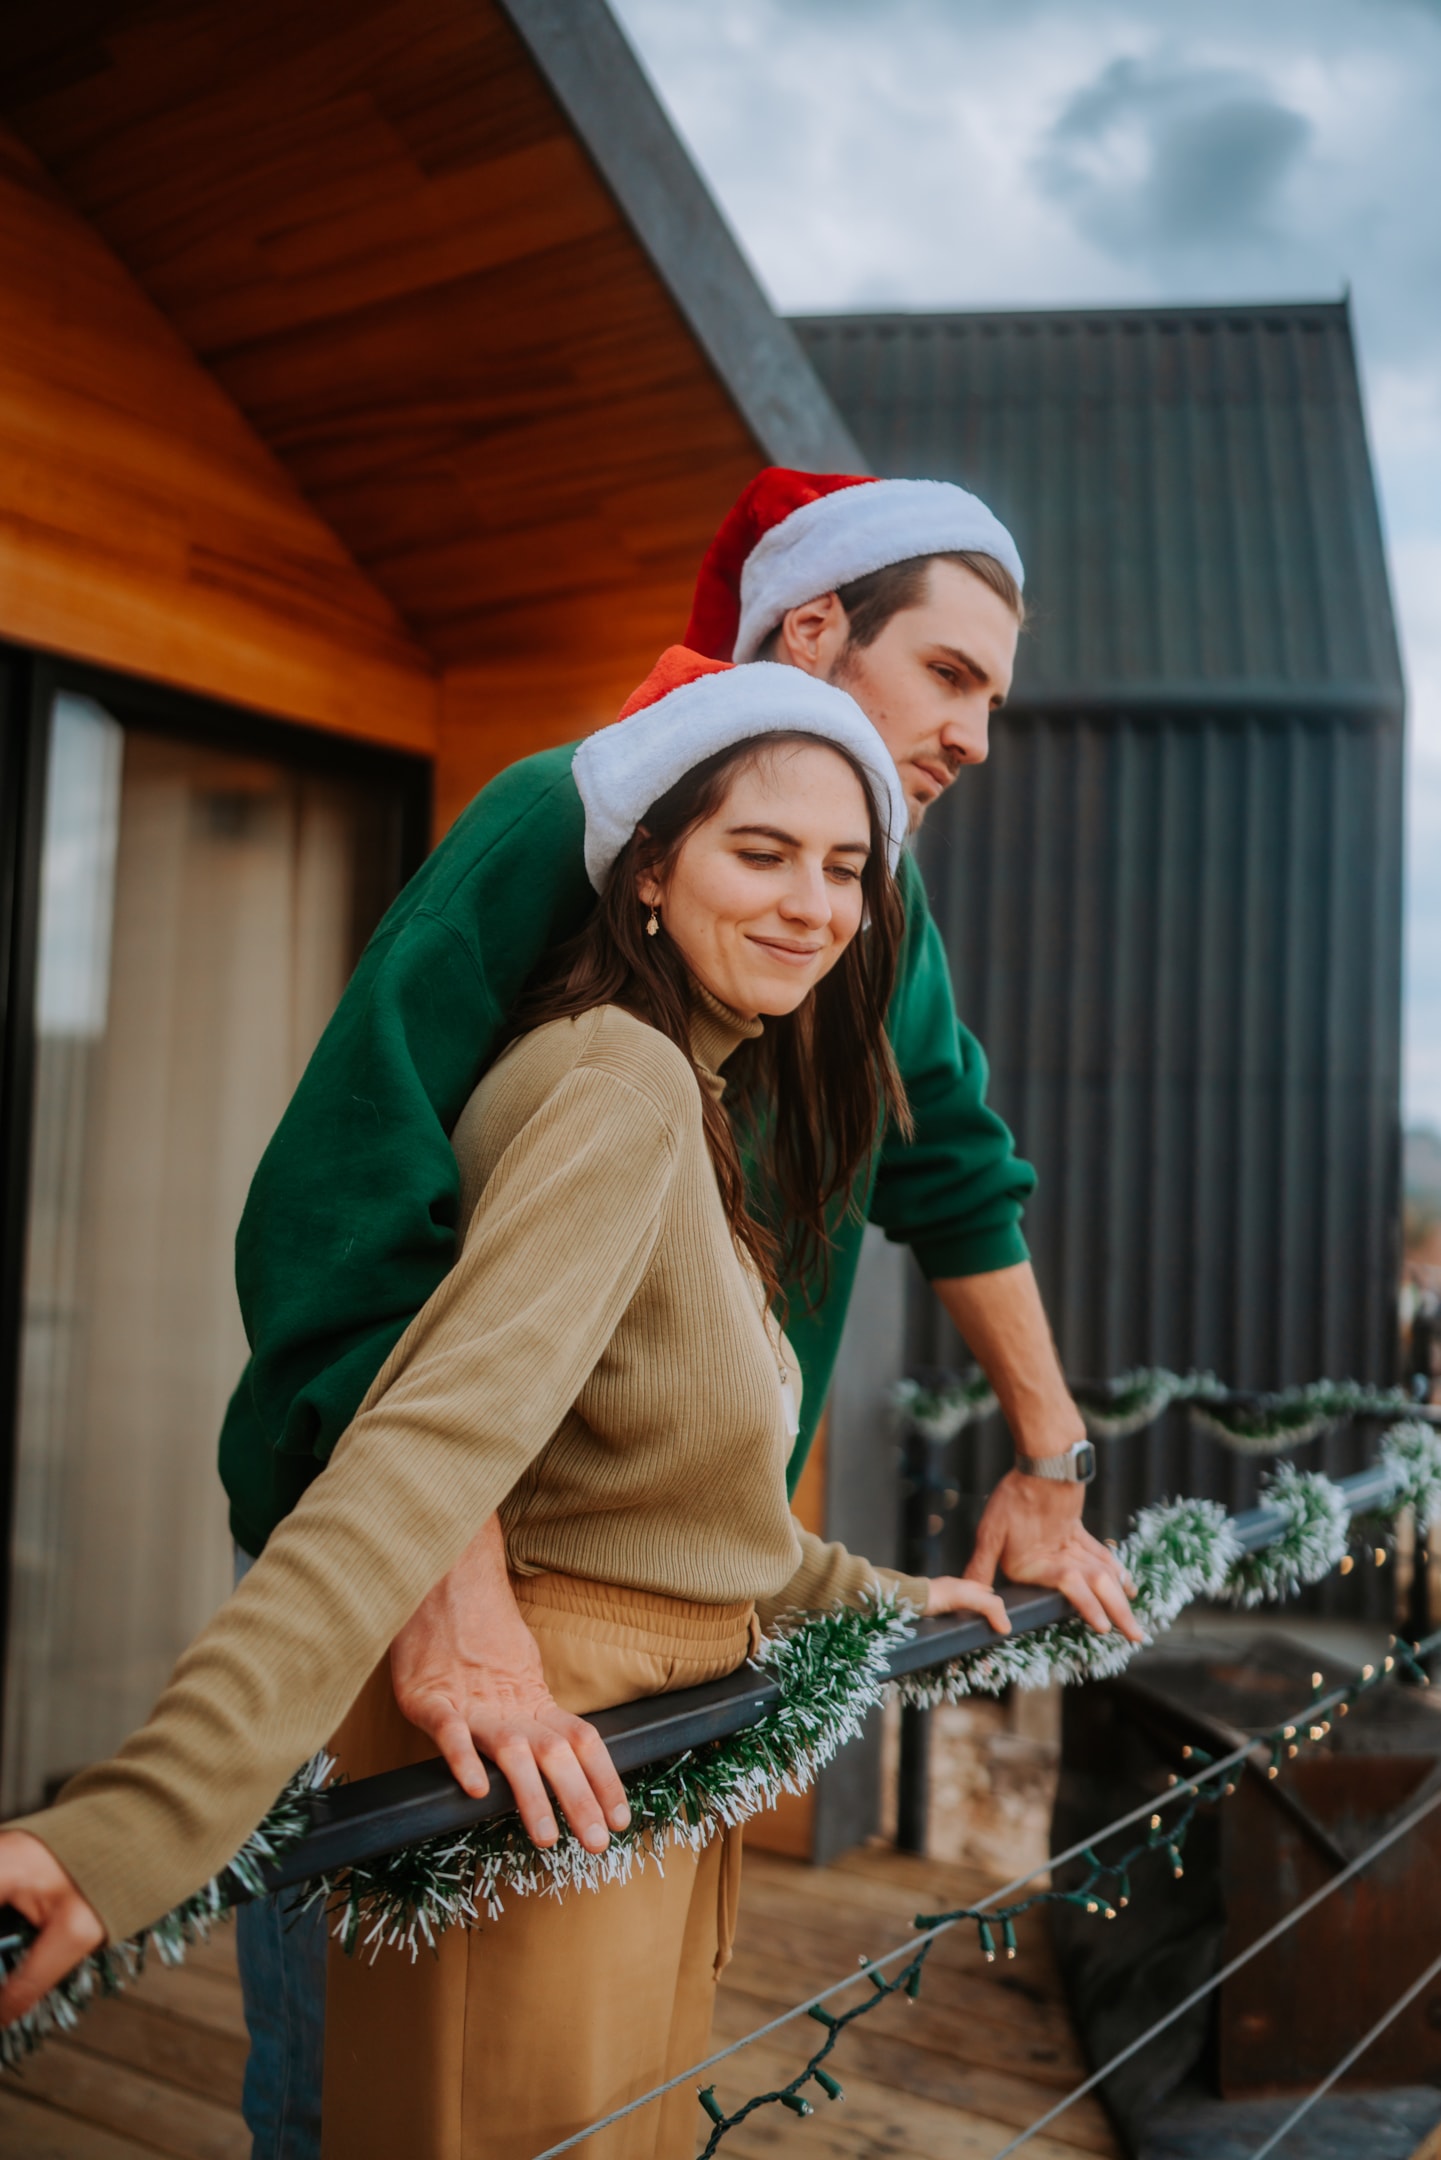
x,y
795,535
687,709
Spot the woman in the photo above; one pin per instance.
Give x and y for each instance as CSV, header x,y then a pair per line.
x,y
602,1364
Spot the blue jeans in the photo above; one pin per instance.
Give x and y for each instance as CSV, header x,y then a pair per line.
x,y
282,1978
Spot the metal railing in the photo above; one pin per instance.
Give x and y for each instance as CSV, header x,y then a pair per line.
x,y
379,1815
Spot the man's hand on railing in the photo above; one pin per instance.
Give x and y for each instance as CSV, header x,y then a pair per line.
x,y
33,1881
467,1670
1032,1531
1032,1527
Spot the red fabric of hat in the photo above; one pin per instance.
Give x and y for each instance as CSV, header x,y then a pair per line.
x,y
768,501
676,665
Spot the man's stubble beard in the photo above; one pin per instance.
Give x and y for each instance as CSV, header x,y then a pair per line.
x,y
845,672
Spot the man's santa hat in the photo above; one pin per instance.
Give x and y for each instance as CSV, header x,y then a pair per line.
x,y
795,535
687,709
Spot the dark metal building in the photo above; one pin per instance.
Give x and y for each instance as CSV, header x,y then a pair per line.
x,y
1173,898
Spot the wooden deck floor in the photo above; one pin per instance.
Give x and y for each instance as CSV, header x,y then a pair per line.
x,y
983,2052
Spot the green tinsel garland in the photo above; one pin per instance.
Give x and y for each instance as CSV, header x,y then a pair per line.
x,y
1182,1550
107,1971
1293,1417
1264,1425
1136,1399
940,1413
831,1669
1317,1523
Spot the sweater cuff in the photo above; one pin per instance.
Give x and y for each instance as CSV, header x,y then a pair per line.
x,y
915,1589
67,1837
943,1253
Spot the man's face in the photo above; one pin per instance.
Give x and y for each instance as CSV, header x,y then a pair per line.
x,y
932,679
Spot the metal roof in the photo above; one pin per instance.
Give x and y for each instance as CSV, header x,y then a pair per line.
x,y
1190,488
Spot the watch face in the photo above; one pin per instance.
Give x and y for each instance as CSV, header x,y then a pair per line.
x,y
1085,1460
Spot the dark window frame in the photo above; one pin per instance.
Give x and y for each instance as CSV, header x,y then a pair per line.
x,y
29,683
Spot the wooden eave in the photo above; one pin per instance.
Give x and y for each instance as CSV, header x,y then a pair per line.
x,y
519,386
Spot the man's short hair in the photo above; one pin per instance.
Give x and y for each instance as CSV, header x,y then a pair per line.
x,y
871,602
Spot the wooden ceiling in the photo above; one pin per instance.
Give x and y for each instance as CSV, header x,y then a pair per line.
x,y
143,524
373,224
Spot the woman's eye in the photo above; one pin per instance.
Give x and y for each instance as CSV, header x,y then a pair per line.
x,y
844,874
761,861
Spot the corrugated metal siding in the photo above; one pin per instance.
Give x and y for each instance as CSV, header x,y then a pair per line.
x,y
1179,942
1172,900
1190,488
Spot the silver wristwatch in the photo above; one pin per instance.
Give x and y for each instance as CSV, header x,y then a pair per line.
x,y
1076,1467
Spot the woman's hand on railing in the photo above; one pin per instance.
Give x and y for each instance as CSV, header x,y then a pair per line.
x,y
467,1670
33,1881
952,1594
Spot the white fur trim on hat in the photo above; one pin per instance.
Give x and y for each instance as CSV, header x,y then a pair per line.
x,y
853,531
622,769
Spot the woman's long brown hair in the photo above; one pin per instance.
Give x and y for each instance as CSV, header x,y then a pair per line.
x,y
812,1094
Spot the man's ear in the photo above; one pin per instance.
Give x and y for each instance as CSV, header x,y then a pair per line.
x,y
813,636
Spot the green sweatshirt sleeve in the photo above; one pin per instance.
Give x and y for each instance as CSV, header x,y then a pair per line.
x,y
350,1223
955,1191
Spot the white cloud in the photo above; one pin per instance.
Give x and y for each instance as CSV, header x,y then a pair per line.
x,y
1158,158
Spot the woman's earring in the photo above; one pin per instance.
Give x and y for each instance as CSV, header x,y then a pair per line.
x,y
654,924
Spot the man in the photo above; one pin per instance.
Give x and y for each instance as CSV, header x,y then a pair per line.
x,y
908,595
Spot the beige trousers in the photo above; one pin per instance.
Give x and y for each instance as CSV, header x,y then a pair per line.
x,y
521,2031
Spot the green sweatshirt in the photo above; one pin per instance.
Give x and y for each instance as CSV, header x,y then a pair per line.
x,y
351,1220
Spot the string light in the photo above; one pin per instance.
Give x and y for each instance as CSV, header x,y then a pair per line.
x,y
1104,1890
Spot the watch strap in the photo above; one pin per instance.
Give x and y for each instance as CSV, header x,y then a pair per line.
x,y
1077,1466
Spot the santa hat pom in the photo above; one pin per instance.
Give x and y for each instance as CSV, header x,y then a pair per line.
x,y
688,708
794,535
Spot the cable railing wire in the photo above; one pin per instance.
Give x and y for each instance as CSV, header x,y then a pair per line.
x,y
1263,1942
873,1964
1253,1750
869,1965
1352,2055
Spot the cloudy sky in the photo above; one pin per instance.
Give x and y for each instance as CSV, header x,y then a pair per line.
x,y
949,153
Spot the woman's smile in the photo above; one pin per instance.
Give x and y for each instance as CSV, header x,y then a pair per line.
x,y
783,950
765,895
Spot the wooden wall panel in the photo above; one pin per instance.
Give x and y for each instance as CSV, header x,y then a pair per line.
x,y
489,717
142,523
392,251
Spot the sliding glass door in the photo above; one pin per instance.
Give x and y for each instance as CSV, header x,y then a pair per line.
x,y
199,907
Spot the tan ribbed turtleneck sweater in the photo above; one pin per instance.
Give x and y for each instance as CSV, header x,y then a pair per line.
x,y
598,1364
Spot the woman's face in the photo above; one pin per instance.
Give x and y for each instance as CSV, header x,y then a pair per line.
x,y
764,896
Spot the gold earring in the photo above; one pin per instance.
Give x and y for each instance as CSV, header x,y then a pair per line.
x,y
654,924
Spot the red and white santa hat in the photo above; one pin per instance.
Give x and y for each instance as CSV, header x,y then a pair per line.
x,y
689,707
794,535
